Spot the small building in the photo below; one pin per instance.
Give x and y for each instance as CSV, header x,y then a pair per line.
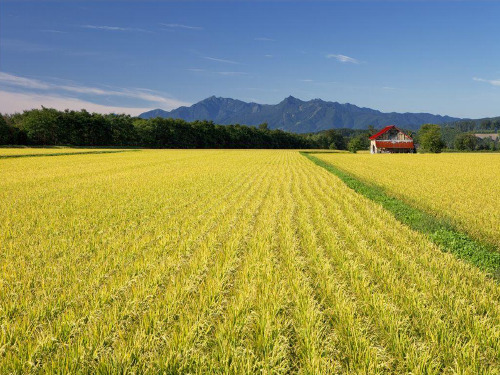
x,y
493,136
391,140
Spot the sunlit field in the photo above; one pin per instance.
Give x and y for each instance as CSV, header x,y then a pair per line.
x,y
219,261
464,188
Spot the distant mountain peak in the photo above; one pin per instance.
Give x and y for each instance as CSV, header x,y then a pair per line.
x,y
293,114
210,99
292,99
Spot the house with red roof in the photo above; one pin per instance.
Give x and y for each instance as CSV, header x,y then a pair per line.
x,y
391,140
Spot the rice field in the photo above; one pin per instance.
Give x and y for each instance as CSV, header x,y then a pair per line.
x,y
225,261
461,187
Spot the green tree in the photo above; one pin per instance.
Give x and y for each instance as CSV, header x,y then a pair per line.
x,y
486,124
356,144
5,136
264,126
334,140
466,142
41,126
430,138
496,125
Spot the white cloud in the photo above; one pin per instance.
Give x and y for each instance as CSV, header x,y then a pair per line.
x,y
180,26
342,58
306,80
220,60
112,28
141,94
135,93
494,82
196,70
10,79
11,102
268,56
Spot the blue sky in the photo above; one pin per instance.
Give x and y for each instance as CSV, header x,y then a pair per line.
x,y
111,56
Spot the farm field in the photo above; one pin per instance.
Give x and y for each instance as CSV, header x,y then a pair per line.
x,y
462,187
225,261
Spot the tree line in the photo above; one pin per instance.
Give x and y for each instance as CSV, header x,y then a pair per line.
x,y
48,127
452,137
80,128
460,135
483,125
456,139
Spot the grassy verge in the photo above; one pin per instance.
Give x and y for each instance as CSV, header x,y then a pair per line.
x,y
439,230
62,153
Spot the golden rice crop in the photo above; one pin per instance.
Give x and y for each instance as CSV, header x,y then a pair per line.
x,y
225,262
462,187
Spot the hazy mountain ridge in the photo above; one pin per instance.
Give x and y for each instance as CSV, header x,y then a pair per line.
x,y
295,115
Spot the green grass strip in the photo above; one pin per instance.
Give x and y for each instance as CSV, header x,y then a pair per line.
x,y
440,231
62,153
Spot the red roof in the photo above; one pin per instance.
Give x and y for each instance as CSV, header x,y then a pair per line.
x,y
385,130
394,144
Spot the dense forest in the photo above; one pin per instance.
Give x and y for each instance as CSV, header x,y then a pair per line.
x,y
47,127
80,128
490,125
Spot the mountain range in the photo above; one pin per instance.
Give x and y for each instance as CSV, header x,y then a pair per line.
x,y
295,115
